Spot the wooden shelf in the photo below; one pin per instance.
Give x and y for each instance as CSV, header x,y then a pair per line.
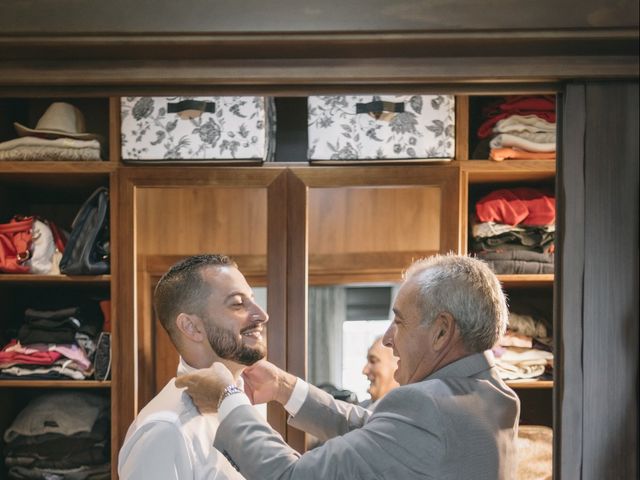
x,y
485,171
530,384
53,279
543,280
54,384
57,167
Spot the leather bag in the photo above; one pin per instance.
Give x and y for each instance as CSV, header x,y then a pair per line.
x,y
16,239
87,250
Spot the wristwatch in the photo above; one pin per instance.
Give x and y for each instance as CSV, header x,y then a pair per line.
x,y
228,391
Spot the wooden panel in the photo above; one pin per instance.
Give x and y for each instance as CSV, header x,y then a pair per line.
x,y
277,291
488,171
462,127
529,281
610,341
114,130
463,214
297,274
384,264
445,177
196,220
569,274
597,302
526,384
118,371
119,16
168,76
365,220
124,389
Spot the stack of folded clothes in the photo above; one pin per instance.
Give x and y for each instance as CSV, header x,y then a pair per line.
x,y
54,344
59,135
513,230
535,452
520,127
62,435
33,148
525,351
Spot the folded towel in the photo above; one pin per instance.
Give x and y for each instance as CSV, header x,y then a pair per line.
x,y
33,149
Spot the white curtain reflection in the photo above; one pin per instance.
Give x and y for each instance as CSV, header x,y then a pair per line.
x,y
327,309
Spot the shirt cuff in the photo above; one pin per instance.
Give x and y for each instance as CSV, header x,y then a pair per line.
x,y
230,403
297,398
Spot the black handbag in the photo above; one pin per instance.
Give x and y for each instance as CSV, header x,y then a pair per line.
x,y
87,250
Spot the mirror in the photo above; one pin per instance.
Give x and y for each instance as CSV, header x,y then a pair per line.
x,y
360,240
172,223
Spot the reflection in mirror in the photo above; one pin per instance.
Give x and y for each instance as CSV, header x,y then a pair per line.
x,y
173,223
361,238
344,320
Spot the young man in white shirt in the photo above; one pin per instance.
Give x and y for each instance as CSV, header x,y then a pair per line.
x,y
208,309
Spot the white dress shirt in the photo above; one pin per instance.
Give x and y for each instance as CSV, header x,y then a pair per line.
x,y
170,440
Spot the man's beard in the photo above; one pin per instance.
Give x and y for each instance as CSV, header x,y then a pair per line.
x,y
229,347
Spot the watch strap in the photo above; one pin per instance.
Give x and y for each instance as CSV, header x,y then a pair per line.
x,y
228,391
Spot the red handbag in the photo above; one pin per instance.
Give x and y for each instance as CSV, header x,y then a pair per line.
x,y
15,244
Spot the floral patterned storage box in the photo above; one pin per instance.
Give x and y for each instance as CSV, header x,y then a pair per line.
x,y
199,129
381,127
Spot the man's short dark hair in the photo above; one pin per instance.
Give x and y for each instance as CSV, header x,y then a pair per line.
x,y
182,289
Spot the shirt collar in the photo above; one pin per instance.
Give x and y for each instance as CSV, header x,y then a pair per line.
x,y
466,367
184,368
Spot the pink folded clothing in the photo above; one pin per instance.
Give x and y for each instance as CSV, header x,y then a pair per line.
x,y
15,354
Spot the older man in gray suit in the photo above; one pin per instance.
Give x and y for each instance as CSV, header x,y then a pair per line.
x,y
451,418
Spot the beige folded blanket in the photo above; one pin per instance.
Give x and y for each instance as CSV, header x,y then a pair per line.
x,y
535,447
42,149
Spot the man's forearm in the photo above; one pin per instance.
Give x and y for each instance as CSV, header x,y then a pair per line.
x,y
286,385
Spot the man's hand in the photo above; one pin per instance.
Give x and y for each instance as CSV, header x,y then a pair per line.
x,y
264,382
205,386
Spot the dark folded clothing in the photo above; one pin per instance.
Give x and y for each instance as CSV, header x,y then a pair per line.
x,y
534,239
99,472
39,376
61,326
55,443
96,454
523,262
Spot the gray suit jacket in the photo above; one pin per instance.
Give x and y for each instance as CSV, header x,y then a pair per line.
x,y
459,423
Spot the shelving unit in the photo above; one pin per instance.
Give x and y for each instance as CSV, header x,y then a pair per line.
x,y
452,183
479,177
53,190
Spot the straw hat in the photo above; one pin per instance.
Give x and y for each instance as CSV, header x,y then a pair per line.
x,y
60,120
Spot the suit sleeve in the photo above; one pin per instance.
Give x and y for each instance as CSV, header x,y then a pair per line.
x,y
324,417
157,452
390,445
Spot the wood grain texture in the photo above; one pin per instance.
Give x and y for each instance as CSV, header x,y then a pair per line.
x,y
597,282
124,402
462,127
178,75
230,220
297,274
277,291
195,16
369,219
610,302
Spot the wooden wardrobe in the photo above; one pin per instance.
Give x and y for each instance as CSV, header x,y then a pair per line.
x,y
585,53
